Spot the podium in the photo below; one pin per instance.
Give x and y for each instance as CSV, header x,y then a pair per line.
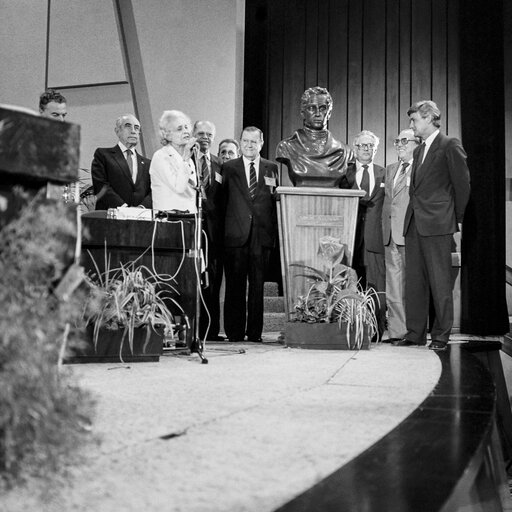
x,y
306,214
129,240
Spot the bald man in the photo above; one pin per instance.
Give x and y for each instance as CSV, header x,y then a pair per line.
x,y
120,175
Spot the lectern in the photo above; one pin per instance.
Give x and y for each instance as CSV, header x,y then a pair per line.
x,y
305,215
165,247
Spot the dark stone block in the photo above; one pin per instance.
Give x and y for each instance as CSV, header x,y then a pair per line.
x,y
36,150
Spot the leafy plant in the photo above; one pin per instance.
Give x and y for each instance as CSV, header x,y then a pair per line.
x,y
335,294
44,415
127,298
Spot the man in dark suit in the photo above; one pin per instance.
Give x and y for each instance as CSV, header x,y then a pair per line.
x,y
368,259
208,168
439,192
250,230
120,176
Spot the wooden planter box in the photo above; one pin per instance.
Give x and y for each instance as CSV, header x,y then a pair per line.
x,y
145,349
321,336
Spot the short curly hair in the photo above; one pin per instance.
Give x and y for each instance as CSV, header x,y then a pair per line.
x,y
315,91
48,96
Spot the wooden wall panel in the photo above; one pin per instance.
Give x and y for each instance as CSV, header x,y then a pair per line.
x,y
355,69
275,80
376,57
294,67
337,28
374,72
421,47
405,58
392,72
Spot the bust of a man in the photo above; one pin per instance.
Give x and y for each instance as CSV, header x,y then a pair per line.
x,y
313,156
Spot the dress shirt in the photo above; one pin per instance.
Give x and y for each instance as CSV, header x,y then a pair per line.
x,y
247,167
359,175
428,142
124,149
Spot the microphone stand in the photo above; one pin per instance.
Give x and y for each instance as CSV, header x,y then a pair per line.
x,y
197,343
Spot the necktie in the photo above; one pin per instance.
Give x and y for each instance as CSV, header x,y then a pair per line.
x,y
421,154
401,175
252,180
205,173
129,161
365,180
417,162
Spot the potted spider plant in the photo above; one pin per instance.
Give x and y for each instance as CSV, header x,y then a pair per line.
x,y
126,315
334,313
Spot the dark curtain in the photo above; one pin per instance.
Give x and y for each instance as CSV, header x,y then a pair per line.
x,y
484,308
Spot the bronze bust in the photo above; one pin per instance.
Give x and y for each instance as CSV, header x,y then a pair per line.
x,y
314,158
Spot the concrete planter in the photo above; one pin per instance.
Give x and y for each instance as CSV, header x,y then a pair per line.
x,y
321,336
147,347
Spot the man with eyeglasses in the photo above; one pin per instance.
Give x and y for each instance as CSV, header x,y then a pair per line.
x,y
208,167
120,175
396,199
368,259
439,192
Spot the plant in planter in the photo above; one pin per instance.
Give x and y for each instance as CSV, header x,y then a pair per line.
x,y
129,304
334,297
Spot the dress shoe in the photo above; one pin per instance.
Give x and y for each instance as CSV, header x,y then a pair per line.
x,y
391,340
404,342
438,346
255,340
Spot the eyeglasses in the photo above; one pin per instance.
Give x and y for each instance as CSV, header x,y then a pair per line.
x,y
402,142
366,147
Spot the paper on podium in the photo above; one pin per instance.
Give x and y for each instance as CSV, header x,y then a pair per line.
x,y
133,213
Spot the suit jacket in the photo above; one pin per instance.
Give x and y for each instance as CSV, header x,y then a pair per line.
x,y
439,188
244,216
213,220
113,183
395,204
369,217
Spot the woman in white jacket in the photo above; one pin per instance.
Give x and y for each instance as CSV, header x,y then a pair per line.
x,y
172,171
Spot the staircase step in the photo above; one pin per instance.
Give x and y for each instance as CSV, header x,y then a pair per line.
x,y
270,289
273,304
273,322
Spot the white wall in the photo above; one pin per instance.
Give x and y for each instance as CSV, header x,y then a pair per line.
x,y
192,55
192,60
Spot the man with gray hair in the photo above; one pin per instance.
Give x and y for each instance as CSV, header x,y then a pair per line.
x,y
368,259
396,200
208,167
120,175
439,193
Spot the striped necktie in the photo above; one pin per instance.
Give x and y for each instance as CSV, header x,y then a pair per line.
x,y
401,175
252,180
205,173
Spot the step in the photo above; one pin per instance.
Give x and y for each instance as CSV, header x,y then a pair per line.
x,y
270,289
273,322
273,304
